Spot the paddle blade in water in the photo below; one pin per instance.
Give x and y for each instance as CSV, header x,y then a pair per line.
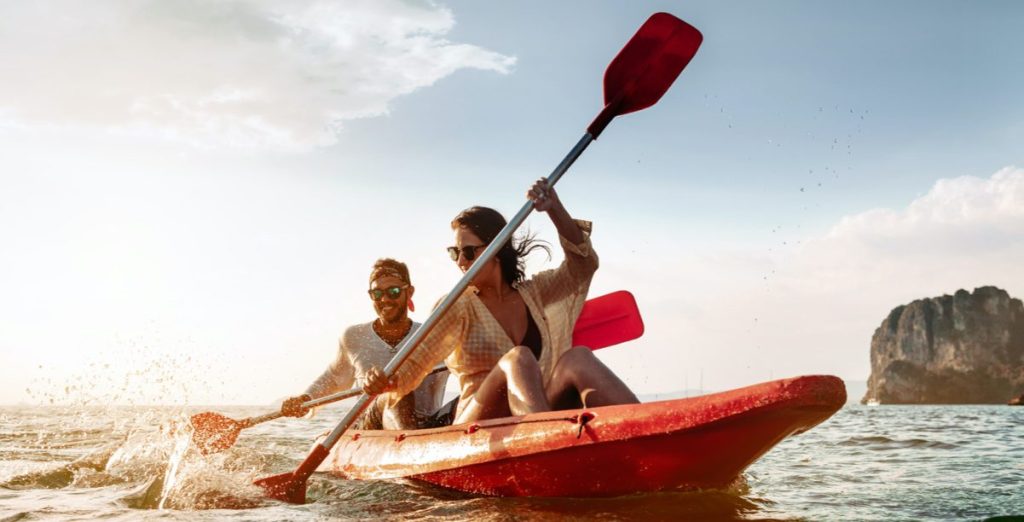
x,y
646,67
213,432
291,487
284,487
608,320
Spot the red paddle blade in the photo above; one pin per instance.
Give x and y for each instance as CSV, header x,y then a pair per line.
x,y
646,67
291,487
213,432
606,320
284,487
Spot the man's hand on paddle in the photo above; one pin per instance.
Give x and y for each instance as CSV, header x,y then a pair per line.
x,y
375,383
293,407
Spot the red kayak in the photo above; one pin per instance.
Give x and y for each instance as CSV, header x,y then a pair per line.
x,y
701,442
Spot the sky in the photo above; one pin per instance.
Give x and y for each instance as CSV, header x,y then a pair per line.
x,y
192,193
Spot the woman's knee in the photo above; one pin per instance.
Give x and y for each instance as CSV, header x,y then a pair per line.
x,y
575,363
576,356
518,358
581,351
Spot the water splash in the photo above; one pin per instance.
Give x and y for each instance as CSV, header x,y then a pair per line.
x,y
196,481
181,447
156,458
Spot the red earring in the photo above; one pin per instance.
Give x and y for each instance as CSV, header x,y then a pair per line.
x,y
412,307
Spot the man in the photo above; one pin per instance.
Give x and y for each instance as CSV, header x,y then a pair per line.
x,y
373,344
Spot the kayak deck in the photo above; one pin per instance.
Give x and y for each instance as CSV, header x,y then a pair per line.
x,y
700,442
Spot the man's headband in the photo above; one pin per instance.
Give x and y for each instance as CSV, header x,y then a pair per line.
x,y
388,271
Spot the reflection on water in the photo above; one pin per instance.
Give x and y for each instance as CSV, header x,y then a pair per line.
x,y
866,463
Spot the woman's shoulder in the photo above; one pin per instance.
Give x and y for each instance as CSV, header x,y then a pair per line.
x,y
526,284
463,303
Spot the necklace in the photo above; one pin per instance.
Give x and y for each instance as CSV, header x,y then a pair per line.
x,y
392,337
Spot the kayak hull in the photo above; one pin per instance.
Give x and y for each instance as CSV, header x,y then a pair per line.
x,y
700,442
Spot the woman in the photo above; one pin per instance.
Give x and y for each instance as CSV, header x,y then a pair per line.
x,y
507,338
371,344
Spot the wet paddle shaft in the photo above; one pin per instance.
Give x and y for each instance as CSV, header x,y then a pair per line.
x,y
636,79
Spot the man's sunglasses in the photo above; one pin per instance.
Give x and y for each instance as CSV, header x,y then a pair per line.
x,y
392,292
468,252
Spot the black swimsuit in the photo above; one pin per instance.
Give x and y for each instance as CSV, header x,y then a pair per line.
x,y
532,338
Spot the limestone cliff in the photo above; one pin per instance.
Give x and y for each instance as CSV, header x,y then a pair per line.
x,y
967,348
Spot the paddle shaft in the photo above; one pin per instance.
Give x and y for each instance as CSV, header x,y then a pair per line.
x,y
637,78
320,453
249,422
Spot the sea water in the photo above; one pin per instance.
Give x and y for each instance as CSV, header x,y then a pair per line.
x,y
865,463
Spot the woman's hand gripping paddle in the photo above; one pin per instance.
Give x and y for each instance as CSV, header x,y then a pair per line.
x,y
605,321
636,79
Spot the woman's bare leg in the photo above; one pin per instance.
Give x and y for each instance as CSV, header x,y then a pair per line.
x,y
579,369
514,387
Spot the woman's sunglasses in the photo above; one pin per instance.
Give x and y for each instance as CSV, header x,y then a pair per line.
x,y
392,292
468,252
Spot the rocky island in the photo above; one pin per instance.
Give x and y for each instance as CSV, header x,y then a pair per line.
x,y
967,348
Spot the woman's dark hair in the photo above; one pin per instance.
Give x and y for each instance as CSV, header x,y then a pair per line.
x,y
486,223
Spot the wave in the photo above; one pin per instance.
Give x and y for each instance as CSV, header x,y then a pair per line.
x,y
879,442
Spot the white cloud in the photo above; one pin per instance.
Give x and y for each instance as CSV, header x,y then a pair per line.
x,y
232,72
994,205
948,234
742,316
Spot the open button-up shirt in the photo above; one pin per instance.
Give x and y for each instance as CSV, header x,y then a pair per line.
x,y
471,341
